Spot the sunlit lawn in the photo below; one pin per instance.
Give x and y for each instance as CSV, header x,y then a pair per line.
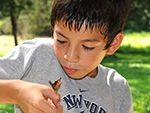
x,y
136,43
132,61
7,43
137,40
136,69
6,108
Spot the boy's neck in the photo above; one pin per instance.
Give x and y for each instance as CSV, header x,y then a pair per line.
x,y
93,73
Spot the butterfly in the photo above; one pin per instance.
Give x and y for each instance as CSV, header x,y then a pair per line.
x,y
56,84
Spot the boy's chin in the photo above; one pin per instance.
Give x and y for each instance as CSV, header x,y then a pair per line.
x,y
74,76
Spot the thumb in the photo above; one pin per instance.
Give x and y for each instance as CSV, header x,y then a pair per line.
x,y
51,95
56,101
60,108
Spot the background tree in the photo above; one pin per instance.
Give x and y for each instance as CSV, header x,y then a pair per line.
x,y
139,16
31,18
13,8
39,18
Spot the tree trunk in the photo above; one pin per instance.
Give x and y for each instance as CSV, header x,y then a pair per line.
x,y
14,23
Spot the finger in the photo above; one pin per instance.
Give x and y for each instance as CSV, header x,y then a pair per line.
x,y
46,107
34,110
59,108
53,95
57,100
50,102
31,109
56,109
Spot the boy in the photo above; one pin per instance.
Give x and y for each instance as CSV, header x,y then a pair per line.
x,y
83,32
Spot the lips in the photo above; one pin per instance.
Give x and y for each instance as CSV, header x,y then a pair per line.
x,y
70,70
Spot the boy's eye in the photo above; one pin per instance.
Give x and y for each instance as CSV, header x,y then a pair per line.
x,y
62,42
88,48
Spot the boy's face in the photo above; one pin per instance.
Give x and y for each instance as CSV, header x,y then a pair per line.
x,y
79,52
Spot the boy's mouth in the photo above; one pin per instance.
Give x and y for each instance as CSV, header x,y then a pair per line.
x,y
70,70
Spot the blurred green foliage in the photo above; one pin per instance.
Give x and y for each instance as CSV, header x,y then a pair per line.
x,y
139,16
135,67
143,103
6,108
34,17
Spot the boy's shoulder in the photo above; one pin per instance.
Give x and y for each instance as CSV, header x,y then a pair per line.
x,y
29,47
112,77
37,44
38,41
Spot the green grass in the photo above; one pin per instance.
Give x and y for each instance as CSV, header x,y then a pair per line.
x,y
7,43
132,61
136,43
137,40
6,108
136,69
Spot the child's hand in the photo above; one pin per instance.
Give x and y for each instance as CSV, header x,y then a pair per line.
x,y
37,98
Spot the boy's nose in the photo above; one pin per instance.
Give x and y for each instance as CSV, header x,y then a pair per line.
x,y
72,55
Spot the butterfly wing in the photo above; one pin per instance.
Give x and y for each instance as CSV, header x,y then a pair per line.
x,y
56,84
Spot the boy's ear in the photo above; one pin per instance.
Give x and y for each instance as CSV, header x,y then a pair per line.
x,y
115,44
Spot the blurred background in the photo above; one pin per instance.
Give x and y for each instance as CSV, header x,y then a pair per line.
x,y
25,19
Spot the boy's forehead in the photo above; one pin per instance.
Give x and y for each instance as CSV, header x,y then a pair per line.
x,y
83,27
62,29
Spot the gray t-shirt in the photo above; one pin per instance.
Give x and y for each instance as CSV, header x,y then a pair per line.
x,y
35,61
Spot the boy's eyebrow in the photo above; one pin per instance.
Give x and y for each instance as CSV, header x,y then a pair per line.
x,y
86,40
91,40
61,34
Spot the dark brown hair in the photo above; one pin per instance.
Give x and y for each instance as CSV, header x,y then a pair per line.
x,y
108,16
